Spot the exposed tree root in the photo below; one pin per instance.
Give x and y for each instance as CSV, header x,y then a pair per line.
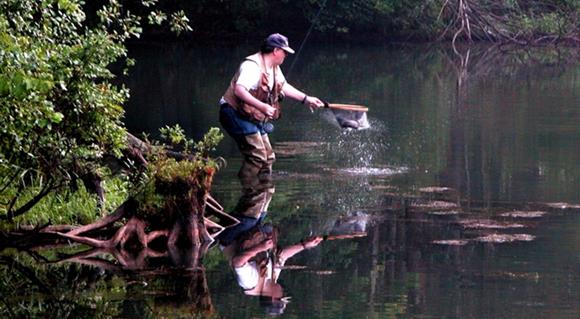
x,y
131,243
119,213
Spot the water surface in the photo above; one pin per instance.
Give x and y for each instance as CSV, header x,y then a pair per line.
x,y
466,184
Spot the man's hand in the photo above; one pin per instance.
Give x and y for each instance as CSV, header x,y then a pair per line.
x,y
268,110
312,242
313,102
265,245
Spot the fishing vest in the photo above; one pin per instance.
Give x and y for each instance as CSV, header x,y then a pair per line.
x,y
262,92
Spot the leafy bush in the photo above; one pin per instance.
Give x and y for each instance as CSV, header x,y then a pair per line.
x,y
168,179
61,113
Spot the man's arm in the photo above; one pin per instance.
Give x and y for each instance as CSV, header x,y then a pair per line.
x,y
243,94
293,93
289,251
242,258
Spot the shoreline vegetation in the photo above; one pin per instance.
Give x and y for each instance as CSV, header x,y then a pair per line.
x,y
527,23
64,114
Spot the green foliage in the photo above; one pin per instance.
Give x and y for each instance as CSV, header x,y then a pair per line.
x,y
179,22
371,18
168,179
157,17
61,113
209,142
546,24
71,207
176,137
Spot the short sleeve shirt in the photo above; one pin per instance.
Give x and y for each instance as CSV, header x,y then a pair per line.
x,y
250,75
247,275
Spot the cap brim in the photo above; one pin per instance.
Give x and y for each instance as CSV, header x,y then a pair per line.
x,y
288,49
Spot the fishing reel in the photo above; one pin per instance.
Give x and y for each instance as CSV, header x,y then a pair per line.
x,y
268,127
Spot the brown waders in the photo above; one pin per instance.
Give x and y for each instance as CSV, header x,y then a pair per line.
x,y
258,158
255,175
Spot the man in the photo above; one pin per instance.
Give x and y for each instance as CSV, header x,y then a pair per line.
x,y
253,98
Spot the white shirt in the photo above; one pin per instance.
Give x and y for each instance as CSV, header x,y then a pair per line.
x,y
251,75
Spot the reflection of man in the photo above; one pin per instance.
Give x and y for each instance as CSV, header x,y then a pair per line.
x,y
251,209
250,246
257,264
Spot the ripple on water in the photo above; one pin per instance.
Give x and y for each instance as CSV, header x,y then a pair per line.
x,y
451,242
505,238
294,148
523,214
436,205
445,213
563,205
435,189
488,224
386,171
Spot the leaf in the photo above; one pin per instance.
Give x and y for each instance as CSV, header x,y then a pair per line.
x,y
57,117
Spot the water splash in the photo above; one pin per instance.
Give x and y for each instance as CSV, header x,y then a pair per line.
x,y
373,171
359,148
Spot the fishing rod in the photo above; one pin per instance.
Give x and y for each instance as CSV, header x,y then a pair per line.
x,y
306,38
358,111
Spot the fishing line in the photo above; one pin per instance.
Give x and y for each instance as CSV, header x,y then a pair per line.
x,y
306,38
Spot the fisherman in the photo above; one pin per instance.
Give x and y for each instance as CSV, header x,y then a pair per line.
x,y
253,99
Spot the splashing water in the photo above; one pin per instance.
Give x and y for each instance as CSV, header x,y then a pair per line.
x,y
373,171
359,149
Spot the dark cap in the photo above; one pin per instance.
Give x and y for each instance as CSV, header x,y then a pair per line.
x,y
277,40
273,306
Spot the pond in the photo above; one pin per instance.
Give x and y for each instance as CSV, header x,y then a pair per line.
x,y
462,199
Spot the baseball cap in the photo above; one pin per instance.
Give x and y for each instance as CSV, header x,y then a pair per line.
x,y
276,40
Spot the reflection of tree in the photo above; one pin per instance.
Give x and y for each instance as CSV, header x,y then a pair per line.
x,y
71,289
395,270
186,294
48,291
480,129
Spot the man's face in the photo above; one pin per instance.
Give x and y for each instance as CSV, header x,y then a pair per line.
x,y
280,55
272,289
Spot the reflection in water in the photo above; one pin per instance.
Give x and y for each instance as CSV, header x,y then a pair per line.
x,y
410,262
75,290
499,130
252,247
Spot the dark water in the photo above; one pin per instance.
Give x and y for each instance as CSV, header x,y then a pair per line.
x,y
467,186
